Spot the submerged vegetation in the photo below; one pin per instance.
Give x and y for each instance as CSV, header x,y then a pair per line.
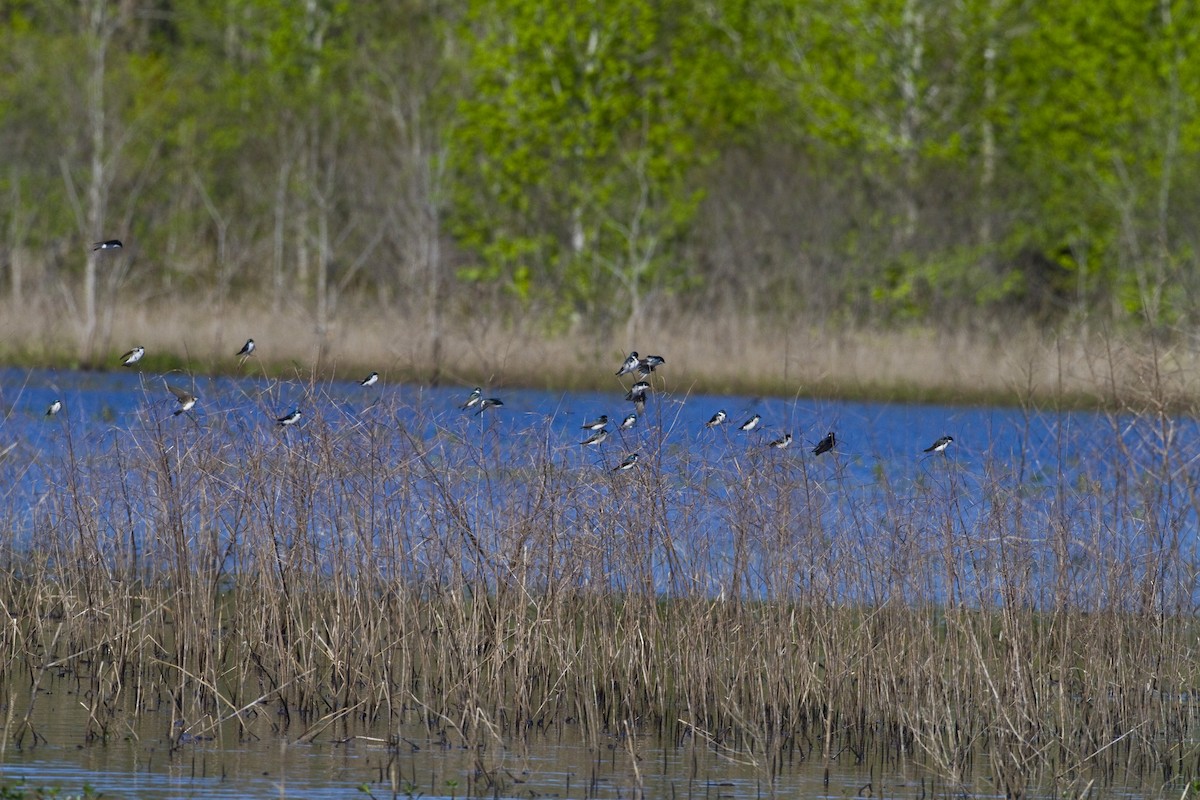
x,y
1008,627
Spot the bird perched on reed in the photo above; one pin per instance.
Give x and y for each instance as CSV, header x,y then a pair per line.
x,y
630,364
473,399
825,445
629,463
940,445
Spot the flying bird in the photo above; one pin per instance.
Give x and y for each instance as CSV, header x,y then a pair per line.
x,y
825,445
629,422
782,442
133,356
186,399
491,402
473,400
111,244
637,392
750,424
598,424
629,463
650,363
717,419
940,445
631,363
370,380
289,419
247,348
54,408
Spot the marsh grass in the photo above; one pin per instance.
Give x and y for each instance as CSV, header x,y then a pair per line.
x,y
386,563
1006,365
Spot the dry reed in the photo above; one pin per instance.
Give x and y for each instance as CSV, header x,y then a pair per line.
x,y
400,563
1005,364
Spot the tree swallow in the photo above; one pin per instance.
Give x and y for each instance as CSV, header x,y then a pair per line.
x,y
598,424
491,402
54,408
111,244
596,438
186,399
631,363
627,464
750,424
629,422
940,445
717,419
649,364
370,380
247,348
783,442
638,391
133,356
825,445
289,419
473,400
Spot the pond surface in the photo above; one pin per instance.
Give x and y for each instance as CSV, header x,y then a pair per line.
x,y
1052,463
412,762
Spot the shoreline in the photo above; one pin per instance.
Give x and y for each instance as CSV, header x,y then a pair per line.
x,y
725,356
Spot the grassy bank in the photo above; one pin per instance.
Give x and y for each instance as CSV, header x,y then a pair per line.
x,y
1013,366
393,566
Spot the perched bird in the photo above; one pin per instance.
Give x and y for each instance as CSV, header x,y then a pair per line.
x,y
649,364
491,402
370,380
782,442
825,445
628,422
289,419
628,464
940,445
186,399
598,424
638,391
750,424
473,400
596,438
717,419
639,404
631,363
111,244
54,408
133,356
247,348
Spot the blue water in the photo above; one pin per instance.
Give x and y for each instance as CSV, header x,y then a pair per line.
x,y
714,511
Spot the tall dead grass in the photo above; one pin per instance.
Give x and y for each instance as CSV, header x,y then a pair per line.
x,y
394,563
726,354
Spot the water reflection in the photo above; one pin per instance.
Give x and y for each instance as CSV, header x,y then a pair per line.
x,y
142,760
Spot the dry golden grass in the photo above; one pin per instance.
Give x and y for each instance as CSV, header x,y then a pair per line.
x,y
724,355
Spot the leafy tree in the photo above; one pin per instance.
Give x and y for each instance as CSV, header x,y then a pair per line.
x,y
577,144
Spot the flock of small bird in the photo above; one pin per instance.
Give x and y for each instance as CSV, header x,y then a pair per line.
x,y
597,429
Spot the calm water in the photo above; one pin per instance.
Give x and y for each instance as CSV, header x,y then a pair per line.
x,y
873,438
1036,454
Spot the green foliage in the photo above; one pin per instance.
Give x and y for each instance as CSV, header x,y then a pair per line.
x,y
568,150
577,144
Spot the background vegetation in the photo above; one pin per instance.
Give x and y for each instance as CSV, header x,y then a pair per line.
x,y
585,166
